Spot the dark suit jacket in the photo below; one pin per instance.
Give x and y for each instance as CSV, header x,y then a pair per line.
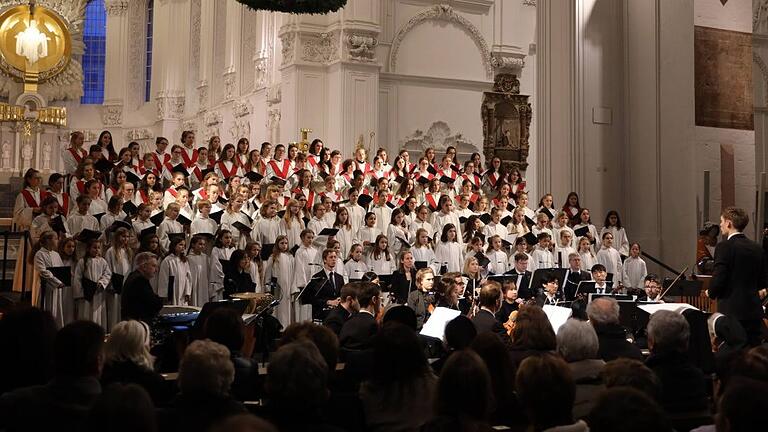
x,y
336,319
401,287
612,340
485,321
139,300
358,332
740,272
320,290
572,282
523,290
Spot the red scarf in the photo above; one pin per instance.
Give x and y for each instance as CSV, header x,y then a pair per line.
x,y
430,198
281,172
78,157
143,195
493,178
158,162
365,167
64,204
171,190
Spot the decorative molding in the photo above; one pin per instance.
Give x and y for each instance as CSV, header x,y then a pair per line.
x,y
439,136
138,134
529,2
442,12
320,47
273,124
240,129
763,72
190,125
361,47
241,108
212,118
506,83
169,107
759,16
274,94
202,96
116,7
507,62
288,40
230,78
112,115
260,66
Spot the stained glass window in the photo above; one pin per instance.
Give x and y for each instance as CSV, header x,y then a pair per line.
x,y
95,39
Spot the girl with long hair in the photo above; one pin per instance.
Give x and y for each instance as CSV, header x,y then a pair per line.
x,y
174,279
91,278
220,255
119,258
279,270
448,250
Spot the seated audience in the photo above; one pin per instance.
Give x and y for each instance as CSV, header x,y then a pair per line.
x,y
682,384
743,406
459,334
225,326
627,410
631,373
532,334
244,423
205,375
603,314
348,305
324,339
495,354
122,408
577,344
127,361
26,338
63,403
357,333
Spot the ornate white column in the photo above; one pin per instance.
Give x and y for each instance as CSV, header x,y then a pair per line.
x,y
116,64
207,14
171,61
232,49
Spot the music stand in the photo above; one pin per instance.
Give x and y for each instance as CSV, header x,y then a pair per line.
x,y
238,305
683,287
538,276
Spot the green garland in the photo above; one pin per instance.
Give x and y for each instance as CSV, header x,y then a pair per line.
x,y
296,6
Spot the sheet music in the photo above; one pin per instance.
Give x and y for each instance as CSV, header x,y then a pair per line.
x,y
674,307
557,315
435,325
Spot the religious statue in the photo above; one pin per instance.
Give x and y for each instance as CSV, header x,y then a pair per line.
x,y
32,43
26,156
6,155
46,156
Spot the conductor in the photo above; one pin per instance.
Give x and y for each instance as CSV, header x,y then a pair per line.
x,y
739,274
324,289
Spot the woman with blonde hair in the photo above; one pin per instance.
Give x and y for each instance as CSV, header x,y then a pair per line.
x,y
127,360
292,224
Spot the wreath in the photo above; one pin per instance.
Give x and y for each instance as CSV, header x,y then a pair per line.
x,y
296,6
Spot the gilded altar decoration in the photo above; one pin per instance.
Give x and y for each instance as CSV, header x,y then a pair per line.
x,y
304,143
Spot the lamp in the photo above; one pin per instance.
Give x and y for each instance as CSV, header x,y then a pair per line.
x,y
32,43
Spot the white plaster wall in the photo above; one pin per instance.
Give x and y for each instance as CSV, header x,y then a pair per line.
x,y
420,54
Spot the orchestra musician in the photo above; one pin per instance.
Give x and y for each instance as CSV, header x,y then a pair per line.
x,y
324,290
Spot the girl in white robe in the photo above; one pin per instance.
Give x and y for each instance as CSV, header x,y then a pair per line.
x,y
114,212
175,275
613,226
42,222
232,215
68,258
585,224
119,257
496,255
396,230
355,266
422,251
142,221
563,248
318,223
368,233
588,258
222,251
448,251
253,250
291,224
53,288
345,236
634,268
279,269
95,269
169,225
81,219
202,223
307,261
267,228
199,267
610,258
380,260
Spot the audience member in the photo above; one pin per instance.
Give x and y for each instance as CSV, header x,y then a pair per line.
x,y
631,373
743,406
244,423
400,392
357,333
127,361
550,410
226,327
205,375
26,338
532,334
323,338
577,344
495,354
122,408
682,384
459,334
489,301
603,314
63,403
348,305
627,410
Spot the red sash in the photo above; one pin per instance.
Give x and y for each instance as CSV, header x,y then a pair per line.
x,y
143,195
169,167
202,193
225,172
449,173
282,173
30,199
310,196
64,204
78,157
172,191
493,178
188,162
114,191
198,173
431,200
313,160
80,186
365,167
158,162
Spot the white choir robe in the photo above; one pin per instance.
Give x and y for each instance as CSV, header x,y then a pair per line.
x,y
561,256
464,213
329,218
307,261
634,272
449,254
53,296
292,231
493,229
381,265
201,225
182,280
42,223
109,218
556,236
346,240
393,232
588,259
427,255
22,212
611,259
216,274
77,222
283,272
367,234
256,278
383,216
417,224
620,240
440,219
536,231
239,239
97,270
317,226
356,215
499,261
97,206
542,258
140,225
265,231
117,265
593,232
199,267
355,269
168,226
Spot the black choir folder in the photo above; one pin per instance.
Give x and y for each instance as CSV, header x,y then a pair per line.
x,y
63,273
89,289
117,283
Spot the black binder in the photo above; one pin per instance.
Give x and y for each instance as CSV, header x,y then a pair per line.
x,y
89,289
117,283
63,273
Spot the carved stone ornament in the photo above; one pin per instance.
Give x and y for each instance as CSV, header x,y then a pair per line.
x,y
442,12
229,85
362,47
169,107
240,128
116,7
212,118
241,109
112,115
274,94
757,60
439,136
288,40
320,47
189,125
760,16
506,83
529,2
202,95
138,134
502,62
260,66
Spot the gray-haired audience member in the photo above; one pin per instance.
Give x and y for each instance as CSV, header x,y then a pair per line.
x,y
603,314
577,344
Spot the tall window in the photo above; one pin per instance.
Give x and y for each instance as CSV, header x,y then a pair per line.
x,y
148,57
95,39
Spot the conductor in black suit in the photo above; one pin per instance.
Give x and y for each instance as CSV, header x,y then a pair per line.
x,y
740,275
324,290
138,300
